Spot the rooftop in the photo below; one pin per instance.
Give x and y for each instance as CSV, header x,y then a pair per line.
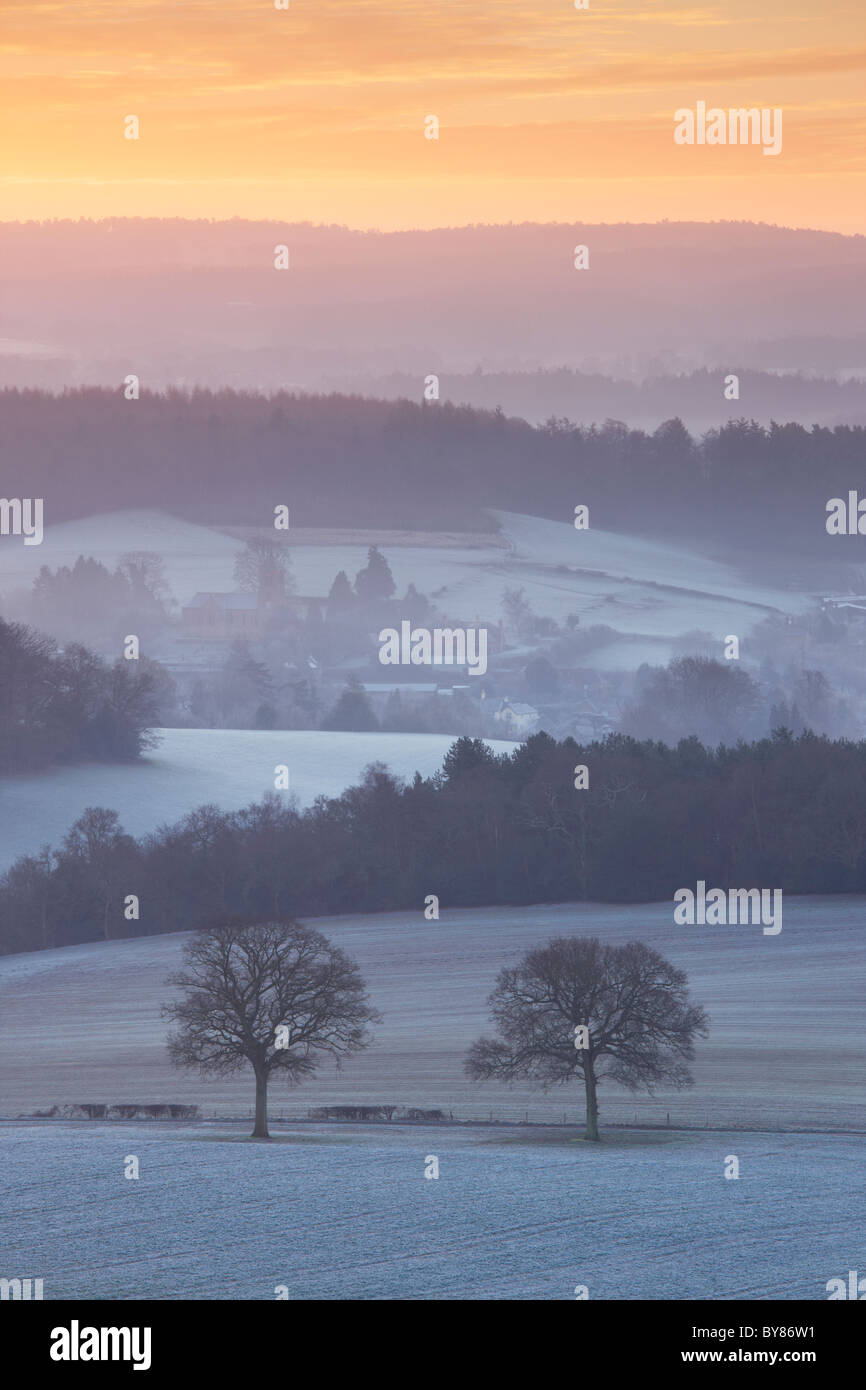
x,y
224,600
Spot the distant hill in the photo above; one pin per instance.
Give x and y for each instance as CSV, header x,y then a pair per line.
x,y
196,302
697,398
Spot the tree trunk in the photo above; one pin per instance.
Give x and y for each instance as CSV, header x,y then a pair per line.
x,y
260,1130
591,1102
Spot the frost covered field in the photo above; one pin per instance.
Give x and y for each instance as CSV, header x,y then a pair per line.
x,y
787,1045
345,1211
229,767
348,1213
637,587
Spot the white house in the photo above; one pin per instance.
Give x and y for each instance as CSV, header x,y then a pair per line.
x,y
523,719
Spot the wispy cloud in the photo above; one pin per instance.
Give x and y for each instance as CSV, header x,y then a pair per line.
x,y
243,92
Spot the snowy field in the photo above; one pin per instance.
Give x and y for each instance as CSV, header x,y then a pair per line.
x,y
348,1214
787,1047
227,767
196,557
635,586
623,556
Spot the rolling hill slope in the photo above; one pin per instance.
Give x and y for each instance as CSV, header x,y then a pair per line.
x,y
786,1045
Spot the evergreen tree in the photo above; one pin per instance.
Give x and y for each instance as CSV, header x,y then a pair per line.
x,y
375,581
415,606
352,712
467,755
340,595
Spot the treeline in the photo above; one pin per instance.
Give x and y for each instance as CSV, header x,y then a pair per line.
x,y
228,456
783,812
68,705
695,397
91,603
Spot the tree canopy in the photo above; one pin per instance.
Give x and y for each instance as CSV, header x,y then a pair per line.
x,y
579,1007
270,994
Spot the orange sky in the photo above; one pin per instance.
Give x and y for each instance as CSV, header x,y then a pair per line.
x,y
317,113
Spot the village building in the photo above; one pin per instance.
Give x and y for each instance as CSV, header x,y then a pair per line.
x,y
519,717
245,614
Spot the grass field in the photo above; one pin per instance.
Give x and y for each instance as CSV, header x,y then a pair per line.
x,y
190,767
526,1214
637,587
786,1047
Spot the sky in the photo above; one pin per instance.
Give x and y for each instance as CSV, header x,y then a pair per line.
x,y
317,112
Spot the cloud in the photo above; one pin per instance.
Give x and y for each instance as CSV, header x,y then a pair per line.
x,y
526,88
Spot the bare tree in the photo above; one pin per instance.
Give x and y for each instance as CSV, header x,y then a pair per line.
x,y
264,560
716,700
102,856
518,612
639,1027
566,819
145,573
274,995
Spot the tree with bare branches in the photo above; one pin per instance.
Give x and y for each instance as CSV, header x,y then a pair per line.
x,y
577,1008
264,561
271,994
